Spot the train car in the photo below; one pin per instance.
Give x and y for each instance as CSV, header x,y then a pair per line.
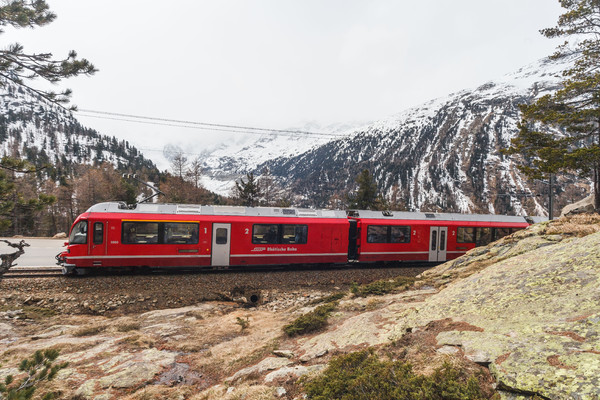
x,y
429,237
177,235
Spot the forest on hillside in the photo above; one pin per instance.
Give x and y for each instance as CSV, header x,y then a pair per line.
x,y
34,204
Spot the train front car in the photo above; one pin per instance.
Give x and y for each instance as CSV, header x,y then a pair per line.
x,y
77,246
427,237
114,235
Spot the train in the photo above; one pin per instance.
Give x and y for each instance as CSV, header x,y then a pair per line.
x,y
153,235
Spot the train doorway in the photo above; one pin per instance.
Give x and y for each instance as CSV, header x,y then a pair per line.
x,y
221,245
438,243
98,241
353,236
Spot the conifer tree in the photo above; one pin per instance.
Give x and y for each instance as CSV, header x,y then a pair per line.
x,y
20,67
249,191
561,132
366,197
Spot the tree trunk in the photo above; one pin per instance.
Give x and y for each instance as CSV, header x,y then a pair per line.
x,y
596,189
7,260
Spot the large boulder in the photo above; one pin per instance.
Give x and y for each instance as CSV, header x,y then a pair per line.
x,y
582,206
537,319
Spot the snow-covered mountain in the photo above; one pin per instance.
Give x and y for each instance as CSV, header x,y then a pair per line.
x,y
441,155
232,160
42,132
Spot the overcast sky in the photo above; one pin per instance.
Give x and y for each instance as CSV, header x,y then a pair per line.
x,y
281,63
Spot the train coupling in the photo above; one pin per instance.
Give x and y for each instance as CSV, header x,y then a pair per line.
x,y
60,259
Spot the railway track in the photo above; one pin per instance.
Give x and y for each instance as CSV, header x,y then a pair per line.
x,y
54,272
33,272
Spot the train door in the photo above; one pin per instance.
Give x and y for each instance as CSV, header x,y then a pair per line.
x,y
438,243
353,240
221,245
98,242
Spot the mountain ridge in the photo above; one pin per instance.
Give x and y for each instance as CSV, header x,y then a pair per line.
x,y
443,155
46,133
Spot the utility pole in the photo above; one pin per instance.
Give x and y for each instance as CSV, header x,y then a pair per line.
x,y
550,184
551,198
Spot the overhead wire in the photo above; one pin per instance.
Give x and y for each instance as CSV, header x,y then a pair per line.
x,y
198,125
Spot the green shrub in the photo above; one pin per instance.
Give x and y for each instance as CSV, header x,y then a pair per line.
x,y
311,321
328,299
128,327
379,288
364,376
38,368
243,323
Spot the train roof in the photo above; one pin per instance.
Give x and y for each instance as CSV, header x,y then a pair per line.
x,y
403,215
194,209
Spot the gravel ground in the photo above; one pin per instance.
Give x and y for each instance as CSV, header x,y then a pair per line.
x,y
119,294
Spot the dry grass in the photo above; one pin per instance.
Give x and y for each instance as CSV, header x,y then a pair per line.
x,y
244,391
90,330
139,341
157,392
578,225
128,326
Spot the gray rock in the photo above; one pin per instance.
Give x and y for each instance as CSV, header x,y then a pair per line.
x,y
283,353
139,369
268,364
448,350
294,372
582,206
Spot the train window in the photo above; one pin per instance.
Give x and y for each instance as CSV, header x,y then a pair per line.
x,y
388,234
294,234
221,236
499,233
377,234
483,236
442,240
465,235
140,233
400,234
265,234
181,233
433,240
98,232
279,234
79,233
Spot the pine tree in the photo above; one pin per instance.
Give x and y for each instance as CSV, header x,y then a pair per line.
x,y
20,67
366,196
561,132
247,192
19,201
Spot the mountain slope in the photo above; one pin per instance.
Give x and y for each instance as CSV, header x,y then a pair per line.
x,y
442,155
42,132
233,159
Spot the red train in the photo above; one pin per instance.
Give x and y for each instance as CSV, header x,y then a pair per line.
x,y
178,235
